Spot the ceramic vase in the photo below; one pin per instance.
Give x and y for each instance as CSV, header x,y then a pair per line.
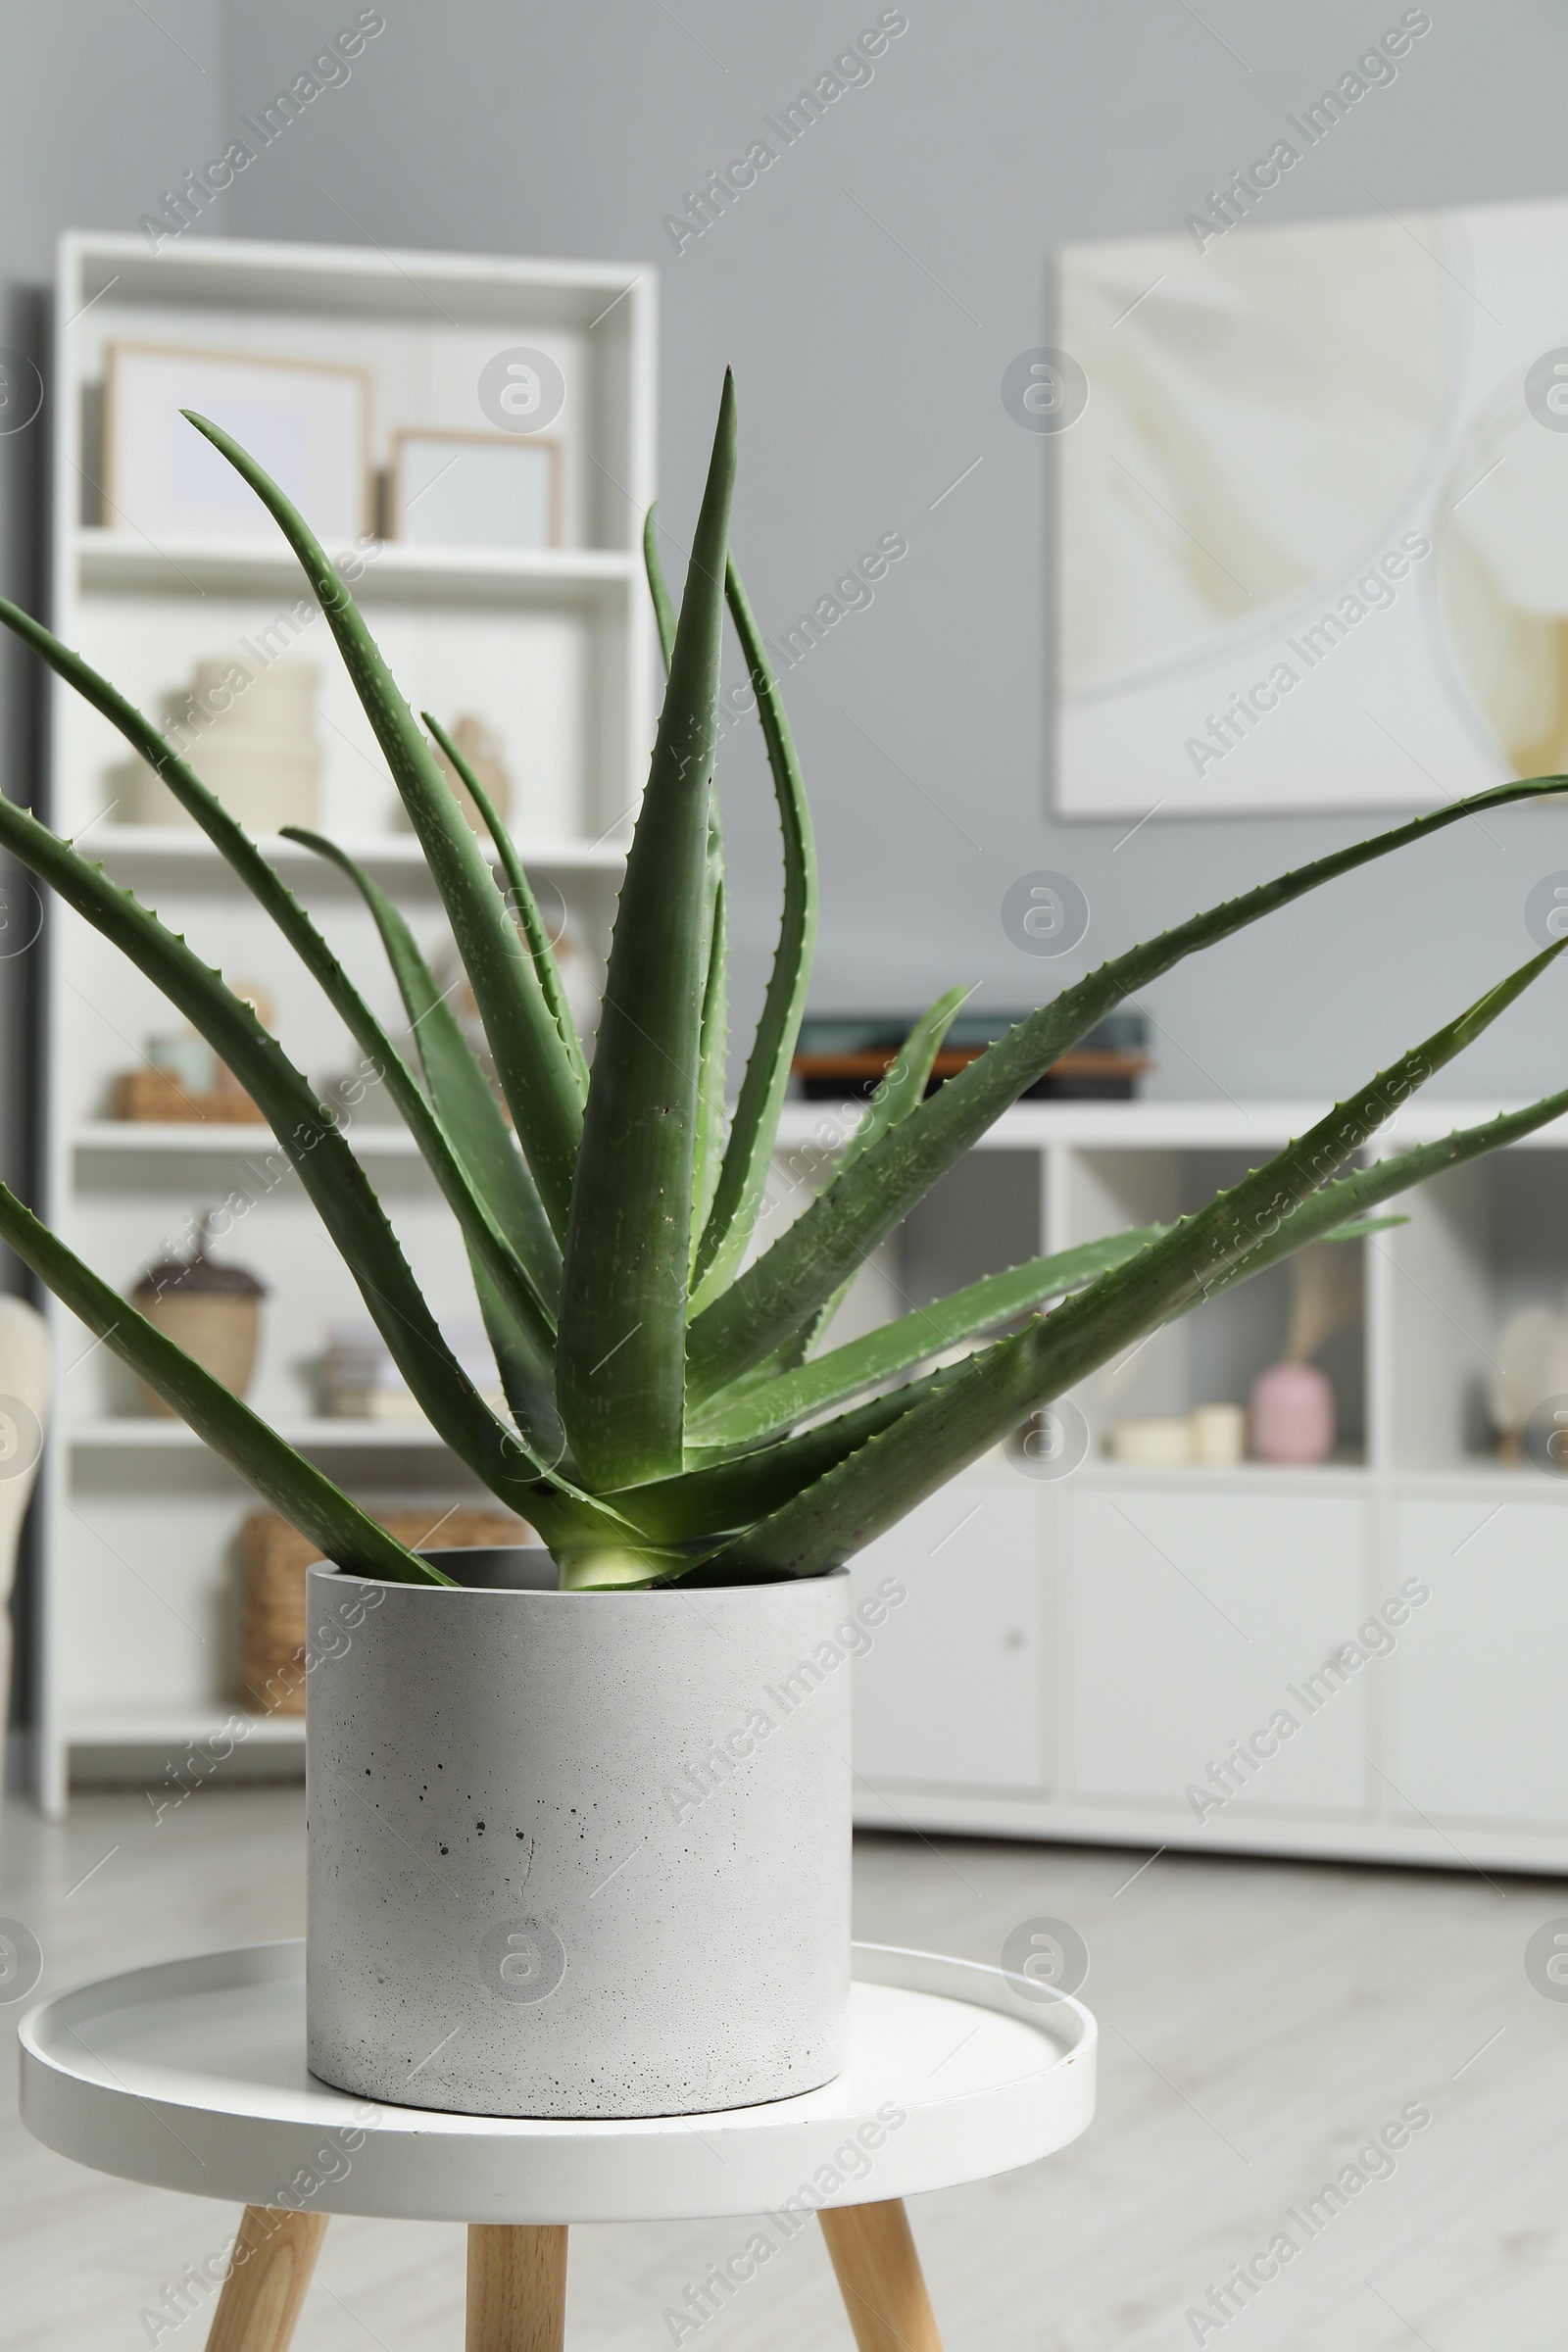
x,y
1292,1414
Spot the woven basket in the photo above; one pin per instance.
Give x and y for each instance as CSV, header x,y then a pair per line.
x,y
274,1557
158,1095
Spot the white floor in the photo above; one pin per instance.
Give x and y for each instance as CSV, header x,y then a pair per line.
x,y
1261,2021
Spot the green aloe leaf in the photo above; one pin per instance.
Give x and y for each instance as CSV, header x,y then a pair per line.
x,y
762,1402
991,1394
664,610
901,1089
706,1503
711,1113
526,1379
509,1271
846,1222
1341,1212
463,1102
620,1357
535,1070
524,906
310,1137
744,1174
521,1326
1360,1227
729,1491
879,1356
283,1478
714,1057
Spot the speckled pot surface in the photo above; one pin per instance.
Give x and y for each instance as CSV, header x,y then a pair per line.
x,y
577,1854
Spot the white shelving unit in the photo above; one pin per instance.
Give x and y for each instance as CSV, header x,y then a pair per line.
x,y
1075,1654
137,1615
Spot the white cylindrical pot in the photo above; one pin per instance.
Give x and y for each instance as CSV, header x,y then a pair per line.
x,y
577,1854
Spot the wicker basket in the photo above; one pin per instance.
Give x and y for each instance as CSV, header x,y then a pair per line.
x,y
274,1557
158,1095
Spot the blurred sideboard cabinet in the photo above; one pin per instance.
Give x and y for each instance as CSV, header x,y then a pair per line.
x,y
1105,1655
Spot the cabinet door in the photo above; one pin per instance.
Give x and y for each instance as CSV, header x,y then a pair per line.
x,y
949,1695
1482,1664
1195,1619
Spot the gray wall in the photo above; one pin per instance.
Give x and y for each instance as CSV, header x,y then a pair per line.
x,y
868,358
86,134
869,292
93,106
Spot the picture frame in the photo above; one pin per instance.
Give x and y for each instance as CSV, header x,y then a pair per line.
x,y
454,488
308,423
1311,521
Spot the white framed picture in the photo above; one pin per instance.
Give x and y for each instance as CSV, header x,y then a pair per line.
x,y
308,425
1312,515
460,489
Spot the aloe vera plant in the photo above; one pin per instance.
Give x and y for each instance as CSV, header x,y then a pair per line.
x,y
676,1407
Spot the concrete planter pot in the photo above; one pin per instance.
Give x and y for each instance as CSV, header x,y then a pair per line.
x,y
577,1854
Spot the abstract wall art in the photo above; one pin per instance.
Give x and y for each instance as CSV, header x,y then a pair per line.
x,y
1312,522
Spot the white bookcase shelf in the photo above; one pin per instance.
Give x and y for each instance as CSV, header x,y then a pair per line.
x,y
114,845
137,1433
122,562
178,1732
138,1620
232,1139
1075,1655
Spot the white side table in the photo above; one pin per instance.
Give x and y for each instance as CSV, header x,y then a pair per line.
x,y
191,2076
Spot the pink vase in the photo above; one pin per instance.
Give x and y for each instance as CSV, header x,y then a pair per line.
x,y
1292,1414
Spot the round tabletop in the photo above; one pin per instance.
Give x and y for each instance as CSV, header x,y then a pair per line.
x,y
191,2074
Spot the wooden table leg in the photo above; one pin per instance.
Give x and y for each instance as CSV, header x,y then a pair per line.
x,y
516,2288
880,2277
269,2273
